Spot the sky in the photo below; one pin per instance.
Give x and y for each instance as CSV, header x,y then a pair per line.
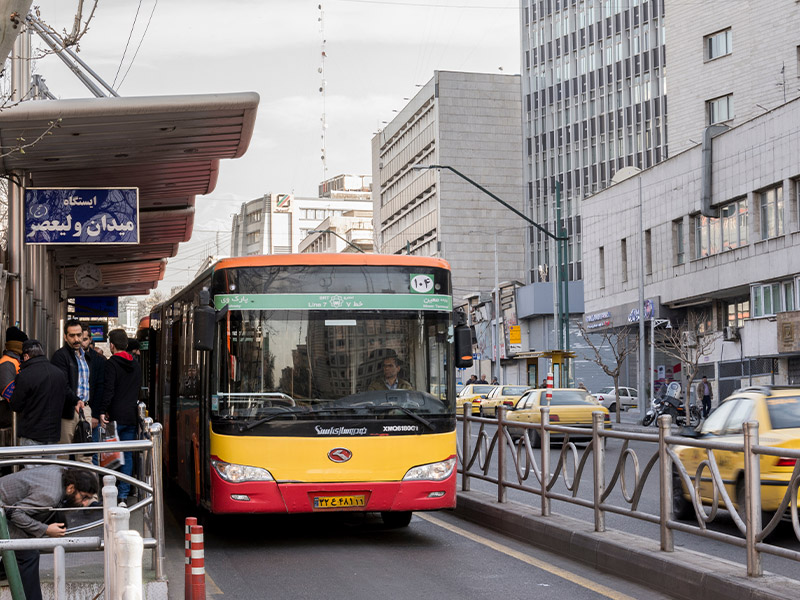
x,y
378,53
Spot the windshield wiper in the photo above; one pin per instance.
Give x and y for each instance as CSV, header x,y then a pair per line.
x,y
408,412
291,412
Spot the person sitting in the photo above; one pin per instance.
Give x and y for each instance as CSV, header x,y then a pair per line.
x,y
390,380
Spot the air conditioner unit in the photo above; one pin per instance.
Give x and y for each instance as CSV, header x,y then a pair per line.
x,y
731,333
689,339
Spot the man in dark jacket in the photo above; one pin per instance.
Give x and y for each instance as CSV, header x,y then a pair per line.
x,y
9,367
71,360
40,394
33,493
121,398
97,377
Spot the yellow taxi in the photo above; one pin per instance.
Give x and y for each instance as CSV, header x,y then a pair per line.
x,y
502,395
777,410
474,393
571,407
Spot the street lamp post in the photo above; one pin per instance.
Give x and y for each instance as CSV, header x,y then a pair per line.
x,y
561,276
331,231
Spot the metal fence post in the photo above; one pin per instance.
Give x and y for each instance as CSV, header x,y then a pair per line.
x,y
502,493
465,446
544,437
156,434
599,470
752,492
109,493
60,573
665,475
10,561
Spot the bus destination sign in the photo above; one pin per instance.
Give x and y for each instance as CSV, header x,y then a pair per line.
x,y
334,302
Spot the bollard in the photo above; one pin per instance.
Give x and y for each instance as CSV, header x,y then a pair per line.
x,y
198,563
109,493
118,520
549,394
59,573
187,568
128,565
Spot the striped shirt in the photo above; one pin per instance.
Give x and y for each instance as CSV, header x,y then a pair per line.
x,y
83,375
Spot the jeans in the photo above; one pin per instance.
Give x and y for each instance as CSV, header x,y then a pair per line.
x,y
126,433
28,562
706,406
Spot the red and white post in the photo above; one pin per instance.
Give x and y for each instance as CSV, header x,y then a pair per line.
x,y
198,563
549,394
187,568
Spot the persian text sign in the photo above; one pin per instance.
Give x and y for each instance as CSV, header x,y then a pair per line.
x,y
81,216
333,302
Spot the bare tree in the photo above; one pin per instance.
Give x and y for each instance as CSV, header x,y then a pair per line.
x,y
688,344
621,342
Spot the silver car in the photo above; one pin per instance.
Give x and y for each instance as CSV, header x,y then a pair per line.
x,y
628,398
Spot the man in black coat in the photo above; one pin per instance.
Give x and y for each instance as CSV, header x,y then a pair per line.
x,y
72,361
121,398
40,394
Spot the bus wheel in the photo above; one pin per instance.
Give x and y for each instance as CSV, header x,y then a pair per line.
x,y
396,520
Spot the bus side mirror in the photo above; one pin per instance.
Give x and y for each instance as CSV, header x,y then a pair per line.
x,y
463,346
205,319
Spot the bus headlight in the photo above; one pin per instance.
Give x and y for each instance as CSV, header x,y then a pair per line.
x,y
240,473
437,471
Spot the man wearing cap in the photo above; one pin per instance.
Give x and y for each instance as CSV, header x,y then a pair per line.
x,y
40,395
9,367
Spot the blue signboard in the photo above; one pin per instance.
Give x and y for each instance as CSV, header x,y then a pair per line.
x,y
81,216
96,306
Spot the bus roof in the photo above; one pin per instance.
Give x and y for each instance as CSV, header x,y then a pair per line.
x,y
400,260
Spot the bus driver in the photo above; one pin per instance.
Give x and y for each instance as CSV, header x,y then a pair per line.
x,y
390,379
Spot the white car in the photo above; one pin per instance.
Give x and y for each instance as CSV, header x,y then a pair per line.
x,y
628,398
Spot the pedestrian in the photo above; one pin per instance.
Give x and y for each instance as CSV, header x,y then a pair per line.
x,y
120,400
40,395
481,379
582,386
705,393
494,381
71,360
134,349
97,377
9,367
472,379
39,491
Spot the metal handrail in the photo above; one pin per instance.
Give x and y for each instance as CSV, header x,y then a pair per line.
x,y
664,461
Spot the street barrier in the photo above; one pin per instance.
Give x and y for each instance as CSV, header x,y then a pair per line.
x,y
196,590
531,473
187,569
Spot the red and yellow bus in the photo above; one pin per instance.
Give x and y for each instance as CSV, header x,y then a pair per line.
x,y
269,374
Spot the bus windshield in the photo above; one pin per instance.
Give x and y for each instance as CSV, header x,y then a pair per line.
x,y
277,365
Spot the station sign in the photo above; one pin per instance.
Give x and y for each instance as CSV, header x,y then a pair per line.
x,y
82,216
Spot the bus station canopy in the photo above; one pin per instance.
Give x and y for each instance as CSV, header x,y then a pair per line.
x,y
169,147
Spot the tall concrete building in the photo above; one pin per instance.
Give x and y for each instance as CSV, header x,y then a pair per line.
x,y
594,103
729,62
470,122
277,223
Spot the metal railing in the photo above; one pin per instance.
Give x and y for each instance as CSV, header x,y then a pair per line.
x,y
531,473
150,499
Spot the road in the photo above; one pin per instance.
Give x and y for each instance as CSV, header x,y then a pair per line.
x,y
356,557
649,503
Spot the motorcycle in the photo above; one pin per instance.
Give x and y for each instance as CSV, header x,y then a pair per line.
x,y
669,403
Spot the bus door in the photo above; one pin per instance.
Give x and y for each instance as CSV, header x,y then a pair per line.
x,y
174,384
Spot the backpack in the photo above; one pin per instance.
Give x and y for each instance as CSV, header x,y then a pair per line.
x,y
83,430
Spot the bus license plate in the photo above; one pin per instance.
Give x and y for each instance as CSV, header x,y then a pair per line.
x,y
323,502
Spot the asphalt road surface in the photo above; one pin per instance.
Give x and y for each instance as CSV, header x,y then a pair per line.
x,y
331,556
784,535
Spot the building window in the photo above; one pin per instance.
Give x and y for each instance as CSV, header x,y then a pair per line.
x,y
253,237
706,236
648,251
771,298
720,109
677,240
771,212
719,44
254,217
602,267
738,311
734,224
624,259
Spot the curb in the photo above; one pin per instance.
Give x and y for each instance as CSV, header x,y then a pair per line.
x,y
684,574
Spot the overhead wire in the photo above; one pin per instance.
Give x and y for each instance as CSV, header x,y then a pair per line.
x,y
130,36
135,54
